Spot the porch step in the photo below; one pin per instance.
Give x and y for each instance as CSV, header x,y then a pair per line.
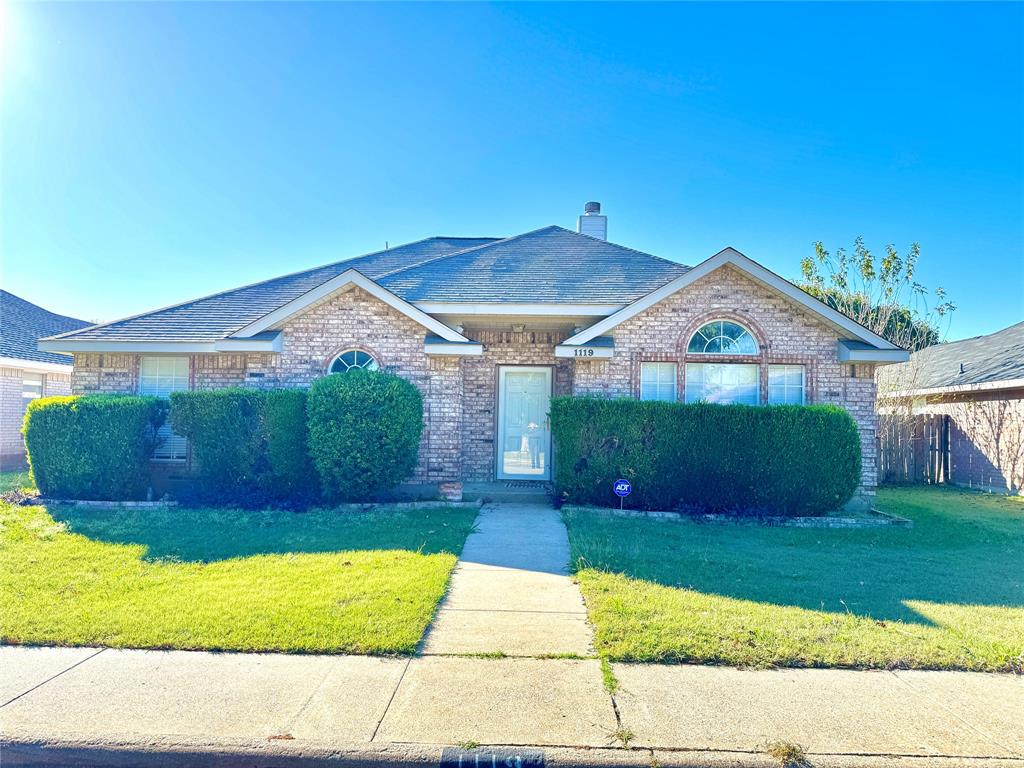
x,y
526,491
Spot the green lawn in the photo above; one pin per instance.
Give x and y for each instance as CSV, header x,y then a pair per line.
x,y
946,594
14,481
321,581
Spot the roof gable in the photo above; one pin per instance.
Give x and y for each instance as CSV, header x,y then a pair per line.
x,y
752,269
348,277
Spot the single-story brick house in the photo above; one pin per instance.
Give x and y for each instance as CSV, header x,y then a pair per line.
x,y
490,328
25,372
964,400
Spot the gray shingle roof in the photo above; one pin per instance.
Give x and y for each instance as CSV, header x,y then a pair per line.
x,y
549,265
987,359
22,324
214,317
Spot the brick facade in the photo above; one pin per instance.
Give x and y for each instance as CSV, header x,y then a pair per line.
x,y
460,393
12,409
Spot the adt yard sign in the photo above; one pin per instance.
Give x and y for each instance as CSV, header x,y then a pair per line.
x,y
622,488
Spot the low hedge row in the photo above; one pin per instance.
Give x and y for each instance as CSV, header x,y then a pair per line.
x,y
346,439
94,446
785,460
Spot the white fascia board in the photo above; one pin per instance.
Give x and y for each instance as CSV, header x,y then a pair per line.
x,y
582,351
35,366
450,350
986,386
754,270
517,309
847,355
70,346
348,277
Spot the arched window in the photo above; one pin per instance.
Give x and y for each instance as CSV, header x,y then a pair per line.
x,y
722,337
352,358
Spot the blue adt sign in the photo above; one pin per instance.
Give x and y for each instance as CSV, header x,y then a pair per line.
x,y
622,488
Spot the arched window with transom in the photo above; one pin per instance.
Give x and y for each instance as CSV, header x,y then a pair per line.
x,y
352,359
722,337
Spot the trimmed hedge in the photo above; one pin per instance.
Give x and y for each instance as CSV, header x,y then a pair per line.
x,y
783,459
248,446
94,446
364,432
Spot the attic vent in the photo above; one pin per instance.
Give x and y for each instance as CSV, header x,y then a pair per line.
x,y
592,222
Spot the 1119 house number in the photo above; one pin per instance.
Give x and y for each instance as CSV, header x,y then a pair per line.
x,y
583,352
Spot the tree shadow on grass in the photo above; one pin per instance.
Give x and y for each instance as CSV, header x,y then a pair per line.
x,y
964,549
207,534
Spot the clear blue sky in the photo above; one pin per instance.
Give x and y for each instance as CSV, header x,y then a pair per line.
x,y
154,153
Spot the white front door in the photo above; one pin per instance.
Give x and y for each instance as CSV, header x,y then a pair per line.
x,y
524,434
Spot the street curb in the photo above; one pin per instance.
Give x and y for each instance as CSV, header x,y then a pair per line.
x,y
170,752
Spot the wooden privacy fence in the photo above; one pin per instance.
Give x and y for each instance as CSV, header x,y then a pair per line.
x,y
913,449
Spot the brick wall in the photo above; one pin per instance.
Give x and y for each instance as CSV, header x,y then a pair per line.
x,y
12,449
12,410
785,332
986,438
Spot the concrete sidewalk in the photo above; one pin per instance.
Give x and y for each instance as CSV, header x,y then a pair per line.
x,y
110,707
510,593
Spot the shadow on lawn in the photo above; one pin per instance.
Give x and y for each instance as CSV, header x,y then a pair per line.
x,y
965,549
206,535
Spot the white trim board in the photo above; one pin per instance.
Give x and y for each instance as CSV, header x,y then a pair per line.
x,y
752,269
163,347
953,389
517,308
335,284
35,365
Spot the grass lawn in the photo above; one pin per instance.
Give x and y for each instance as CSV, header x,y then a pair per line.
x,y
14,481
320,581
946,594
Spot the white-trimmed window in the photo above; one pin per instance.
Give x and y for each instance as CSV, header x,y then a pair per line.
x,y
351,359
722,383
31,387
785,385
658,381
159,376
722,337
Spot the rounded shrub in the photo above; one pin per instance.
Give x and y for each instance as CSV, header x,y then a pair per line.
x,y
364,432
93,447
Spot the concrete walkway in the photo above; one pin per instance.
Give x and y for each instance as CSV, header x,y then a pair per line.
x,y
510,593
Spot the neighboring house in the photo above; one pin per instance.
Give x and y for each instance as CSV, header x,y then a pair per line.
x,y
962,404
25,372
490,328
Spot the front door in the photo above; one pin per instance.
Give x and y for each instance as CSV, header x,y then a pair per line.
x,y
524,434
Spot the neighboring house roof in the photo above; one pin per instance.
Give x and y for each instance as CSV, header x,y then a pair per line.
x,y
22,324
994,361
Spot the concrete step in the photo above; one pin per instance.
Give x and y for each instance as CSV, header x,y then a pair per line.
x,y
515,491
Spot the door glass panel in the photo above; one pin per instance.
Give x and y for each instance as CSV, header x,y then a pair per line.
x,y
525,434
